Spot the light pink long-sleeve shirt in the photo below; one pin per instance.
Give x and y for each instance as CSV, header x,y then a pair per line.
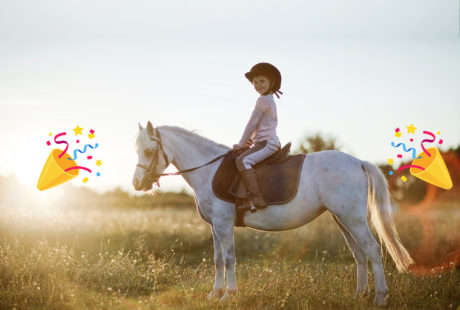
x,y
263,122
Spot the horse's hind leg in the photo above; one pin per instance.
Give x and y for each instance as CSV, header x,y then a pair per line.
x,y
359,229
362,287
219,285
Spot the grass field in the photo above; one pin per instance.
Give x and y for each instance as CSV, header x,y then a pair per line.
x,y
96,258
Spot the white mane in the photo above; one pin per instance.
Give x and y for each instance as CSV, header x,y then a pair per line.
x,y
190,136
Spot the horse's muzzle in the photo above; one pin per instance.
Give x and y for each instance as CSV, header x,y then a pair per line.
x,y
145,185
137,185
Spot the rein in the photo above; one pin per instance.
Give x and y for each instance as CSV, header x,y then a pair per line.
x,y
191,169
150,170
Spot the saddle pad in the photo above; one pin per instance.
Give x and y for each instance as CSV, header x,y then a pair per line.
x,y
278,181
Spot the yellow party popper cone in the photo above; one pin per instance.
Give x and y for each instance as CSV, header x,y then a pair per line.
x,y
435,172
53,172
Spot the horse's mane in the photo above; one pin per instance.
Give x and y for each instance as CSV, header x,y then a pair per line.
x,y
191,136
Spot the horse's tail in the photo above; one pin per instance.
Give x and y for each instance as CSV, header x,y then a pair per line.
x,y
378,202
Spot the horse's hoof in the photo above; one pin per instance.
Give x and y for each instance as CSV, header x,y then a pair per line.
x,y
381,299
362,293
229,294
380,303
215,294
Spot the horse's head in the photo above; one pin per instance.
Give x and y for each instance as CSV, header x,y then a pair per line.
x,y
152,159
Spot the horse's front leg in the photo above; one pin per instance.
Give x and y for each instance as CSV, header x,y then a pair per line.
x,y
224,232
219,285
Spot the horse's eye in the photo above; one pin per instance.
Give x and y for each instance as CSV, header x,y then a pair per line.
x,y
148,153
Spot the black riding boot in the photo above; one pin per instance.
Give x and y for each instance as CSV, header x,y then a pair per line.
x,y
250,180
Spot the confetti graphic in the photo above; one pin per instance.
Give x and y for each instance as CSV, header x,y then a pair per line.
x,y
60,167
404,148
410,166
78,130
84,150
427,140
61,142
78,167
411,129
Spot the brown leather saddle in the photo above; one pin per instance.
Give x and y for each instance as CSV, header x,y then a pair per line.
x,y
278,177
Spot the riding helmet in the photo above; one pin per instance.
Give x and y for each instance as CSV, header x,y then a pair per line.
x,y
268,70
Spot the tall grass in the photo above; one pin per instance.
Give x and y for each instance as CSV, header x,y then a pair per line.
x,y
162,259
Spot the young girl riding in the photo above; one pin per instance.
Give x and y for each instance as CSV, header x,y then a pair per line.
x,y
261,128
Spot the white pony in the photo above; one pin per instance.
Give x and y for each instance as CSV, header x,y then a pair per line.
x,y
330,180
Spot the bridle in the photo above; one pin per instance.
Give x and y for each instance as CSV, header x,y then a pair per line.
x,y
151,176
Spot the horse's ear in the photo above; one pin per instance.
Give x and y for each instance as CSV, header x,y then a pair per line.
x,y
140,126
150,128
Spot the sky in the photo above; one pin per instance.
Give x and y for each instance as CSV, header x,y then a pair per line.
x,y
352,70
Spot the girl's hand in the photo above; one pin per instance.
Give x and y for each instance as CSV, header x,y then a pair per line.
x,y
236,147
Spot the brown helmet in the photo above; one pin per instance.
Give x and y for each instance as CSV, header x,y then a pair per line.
x,y
268,70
